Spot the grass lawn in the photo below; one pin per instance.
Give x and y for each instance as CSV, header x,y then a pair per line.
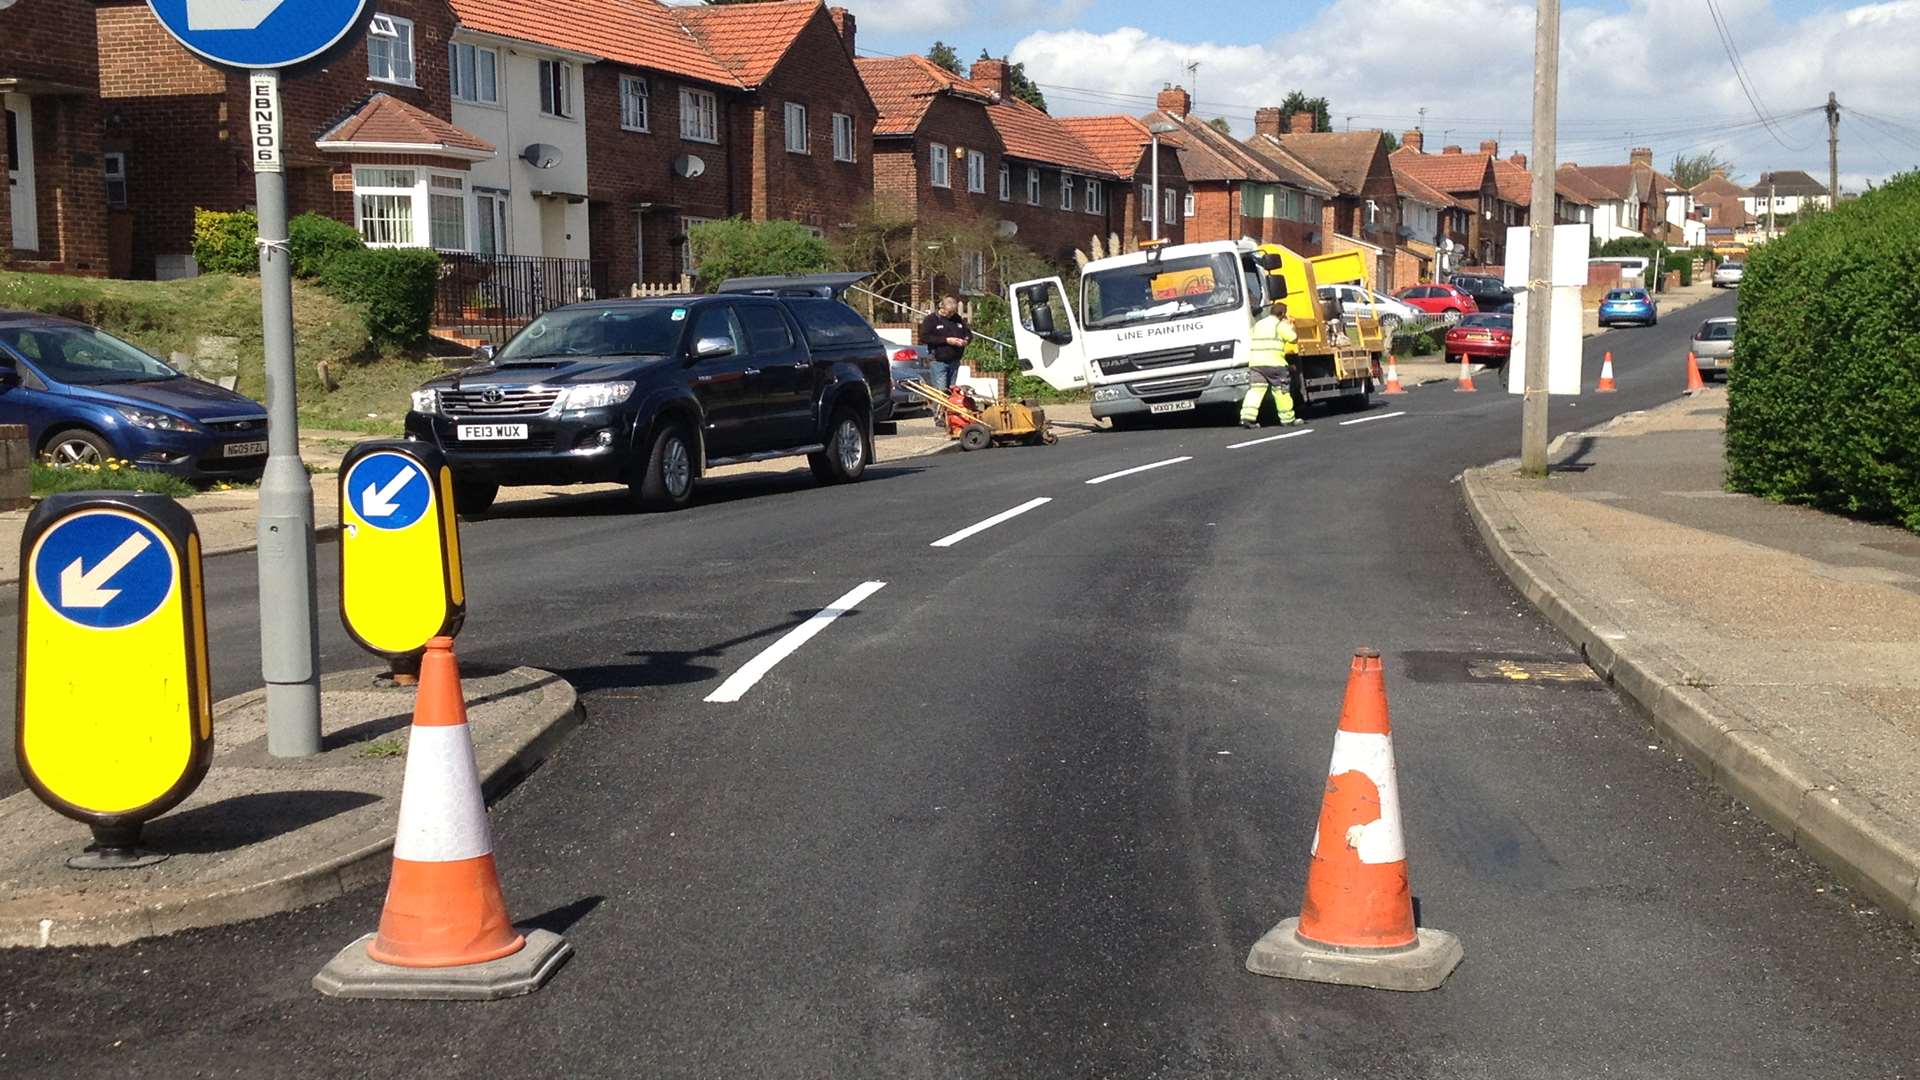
x,y
51,480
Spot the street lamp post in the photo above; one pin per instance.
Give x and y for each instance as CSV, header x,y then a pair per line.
x,y
1154,131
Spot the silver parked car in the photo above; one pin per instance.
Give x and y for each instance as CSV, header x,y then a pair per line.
x,y
1712,346
1728,274
909,362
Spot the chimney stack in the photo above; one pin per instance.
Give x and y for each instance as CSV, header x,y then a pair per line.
x,y
1490,147
1717,173
1449,150
1414,140
1302,123
844,23
1175,102
1519,159
1266,121
995,75
1643,155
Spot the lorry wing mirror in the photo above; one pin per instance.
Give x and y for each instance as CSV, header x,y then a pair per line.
x,y
1040,315
1266,260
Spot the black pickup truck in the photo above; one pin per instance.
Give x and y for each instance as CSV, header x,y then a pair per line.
x,y
652,392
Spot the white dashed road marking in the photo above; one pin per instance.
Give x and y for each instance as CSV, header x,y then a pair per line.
x,y
742,681
1005,515
1370,419
1271,438
1138,469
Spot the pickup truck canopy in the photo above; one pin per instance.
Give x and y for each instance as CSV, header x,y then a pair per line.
x,y
829,286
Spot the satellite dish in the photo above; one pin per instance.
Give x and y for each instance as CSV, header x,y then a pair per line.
x,y
1005,229
687,166
541,155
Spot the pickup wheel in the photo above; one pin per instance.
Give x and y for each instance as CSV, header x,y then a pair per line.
x,y
473,497
667,483
845,458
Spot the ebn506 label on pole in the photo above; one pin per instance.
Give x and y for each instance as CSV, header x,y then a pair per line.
x,y
263,121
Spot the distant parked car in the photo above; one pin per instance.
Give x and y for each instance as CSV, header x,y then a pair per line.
x,y
909,362
1728,274
1712,346
1355,300
86,396
1484,336
1629,306
1447,301
1490,293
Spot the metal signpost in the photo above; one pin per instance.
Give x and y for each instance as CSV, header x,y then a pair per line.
x,y
115,722
401,584
261,36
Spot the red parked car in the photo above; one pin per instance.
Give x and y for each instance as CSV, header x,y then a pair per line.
x,y
1484,337
1440,300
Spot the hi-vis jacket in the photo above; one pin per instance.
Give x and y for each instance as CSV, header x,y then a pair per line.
x,y
1274,339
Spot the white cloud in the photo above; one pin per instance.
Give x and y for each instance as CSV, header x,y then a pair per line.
x,y
935,16
1655,75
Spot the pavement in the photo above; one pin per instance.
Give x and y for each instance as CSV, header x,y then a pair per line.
x,y
261,834
852,804
1776,646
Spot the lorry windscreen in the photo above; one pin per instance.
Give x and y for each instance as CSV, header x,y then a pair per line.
x,y
1166,289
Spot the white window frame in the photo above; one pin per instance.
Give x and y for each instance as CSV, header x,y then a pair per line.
x,y
1066,191
1006,182
391,28
471,95
1168,199
491,205
1033,186
794,120
687,265
113,169
418,198
699,115
461,213
976,172
973,273
938,167
844,148
635,93
1146,202
1187,203
1096,197
556,99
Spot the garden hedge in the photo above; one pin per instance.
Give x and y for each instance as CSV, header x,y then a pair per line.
x,y
396,285
1824,395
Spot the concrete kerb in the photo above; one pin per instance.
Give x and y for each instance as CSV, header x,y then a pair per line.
x,y
1861,844
39,920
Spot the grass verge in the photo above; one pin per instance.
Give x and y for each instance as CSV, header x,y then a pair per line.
x,y
114,476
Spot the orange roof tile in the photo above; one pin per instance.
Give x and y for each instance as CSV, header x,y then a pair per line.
x,y
748,39
1412,187
1512,182
1451,173
1118,141
730,45
904,87
387,121
1032,135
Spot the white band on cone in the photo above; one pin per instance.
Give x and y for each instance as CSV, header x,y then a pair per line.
x,y
442,817
1380,840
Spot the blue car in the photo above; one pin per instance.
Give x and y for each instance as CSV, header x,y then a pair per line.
x,y
86,396
1629,305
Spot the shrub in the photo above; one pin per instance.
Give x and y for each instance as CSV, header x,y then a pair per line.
x,y
223,242
1423,338
1824,399
315,239
734,247
395,285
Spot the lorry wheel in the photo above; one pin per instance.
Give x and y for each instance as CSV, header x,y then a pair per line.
x,y
473,497
667,483
845,458
975,437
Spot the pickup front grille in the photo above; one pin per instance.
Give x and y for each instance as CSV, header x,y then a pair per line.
x,y
496,401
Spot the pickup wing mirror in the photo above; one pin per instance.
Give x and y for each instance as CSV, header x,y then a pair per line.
x,y
484,353
712,348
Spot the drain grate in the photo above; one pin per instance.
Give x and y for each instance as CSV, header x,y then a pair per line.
x,y
1508,668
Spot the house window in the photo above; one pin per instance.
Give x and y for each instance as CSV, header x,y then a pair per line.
x,y
1146,202
937,165
1006,182
635,111
687,265
447,212
1168,199
490,221
115,166
699,116
976,172
390,50
1033,186
796,114
383,206
556,88
1066,192
973,272
1187,207
475,73
1096,197
843,137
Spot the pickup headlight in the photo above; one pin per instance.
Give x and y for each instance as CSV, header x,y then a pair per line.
x,y
1109,393
598,395
426,401
1235,377
155,421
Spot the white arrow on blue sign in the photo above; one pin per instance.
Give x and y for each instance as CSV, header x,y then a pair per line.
x,y
103,570
389,491
258,33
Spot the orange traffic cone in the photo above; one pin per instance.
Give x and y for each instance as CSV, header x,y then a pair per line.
x,y
444,931
1393,378
1356,924
1694,382
1465,385
1606,376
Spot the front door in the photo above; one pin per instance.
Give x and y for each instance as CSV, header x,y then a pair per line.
x,y
781,378
722,383
20,189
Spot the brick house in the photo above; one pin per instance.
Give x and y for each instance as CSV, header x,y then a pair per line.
x,y
55,213
1126,146
1234,193
1366,204
1060,194
1722,207
1429,216
1466,178
367,136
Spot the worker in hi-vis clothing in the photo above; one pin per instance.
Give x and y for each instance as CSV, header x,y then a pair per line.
x,y
1273,340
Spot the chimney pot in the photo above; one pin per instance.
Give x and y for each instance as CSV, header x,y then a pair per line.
x,y
1414,140
843,22
1450,150
995,75
1175,102
1643,155
1266,121
1519,159
1490,146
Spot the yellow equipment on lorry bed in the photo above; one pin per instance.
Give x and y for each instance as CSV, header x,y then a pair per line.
x,y
1340,354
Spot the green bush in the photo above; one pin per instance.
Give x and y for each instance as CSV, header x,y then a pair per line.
x,y
315,239
1420,339
734,247
1679,261
1824,396
223,242
395,285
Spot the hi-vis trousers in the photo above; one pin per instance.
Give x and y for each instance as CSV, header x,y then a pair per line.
x,y
1266,380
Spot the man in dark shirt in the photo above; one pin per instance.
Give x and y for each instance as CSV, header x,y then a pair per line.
x,y
945,334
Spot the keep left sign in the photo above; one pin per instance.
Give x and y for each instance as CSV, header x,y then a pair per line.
x,y
115,721
400,579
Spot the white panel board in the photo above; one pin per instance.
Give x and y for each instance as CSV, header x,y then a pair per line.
x,y
1571,244
1563,354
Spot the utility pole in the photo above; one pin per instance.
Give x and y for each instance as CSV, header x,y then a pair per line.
x,y
1546,111
1833,151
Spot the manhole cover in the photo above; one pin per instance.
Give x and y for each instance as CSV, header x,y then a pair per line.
x,y
1530,671
1433,666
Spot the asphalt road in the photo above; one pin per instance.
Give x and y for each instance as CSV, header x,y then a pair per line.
x,y
1022,811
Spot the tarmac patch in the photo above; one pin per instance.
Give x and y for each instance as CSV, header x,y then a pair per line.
x,y
1495,668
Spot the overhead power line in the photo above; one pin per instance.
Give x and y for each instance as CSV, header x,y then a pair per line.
x,y
1740,75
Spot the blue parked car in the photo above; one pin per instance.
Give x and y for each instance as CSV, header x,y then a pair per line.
x,y
86,396
1629,305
